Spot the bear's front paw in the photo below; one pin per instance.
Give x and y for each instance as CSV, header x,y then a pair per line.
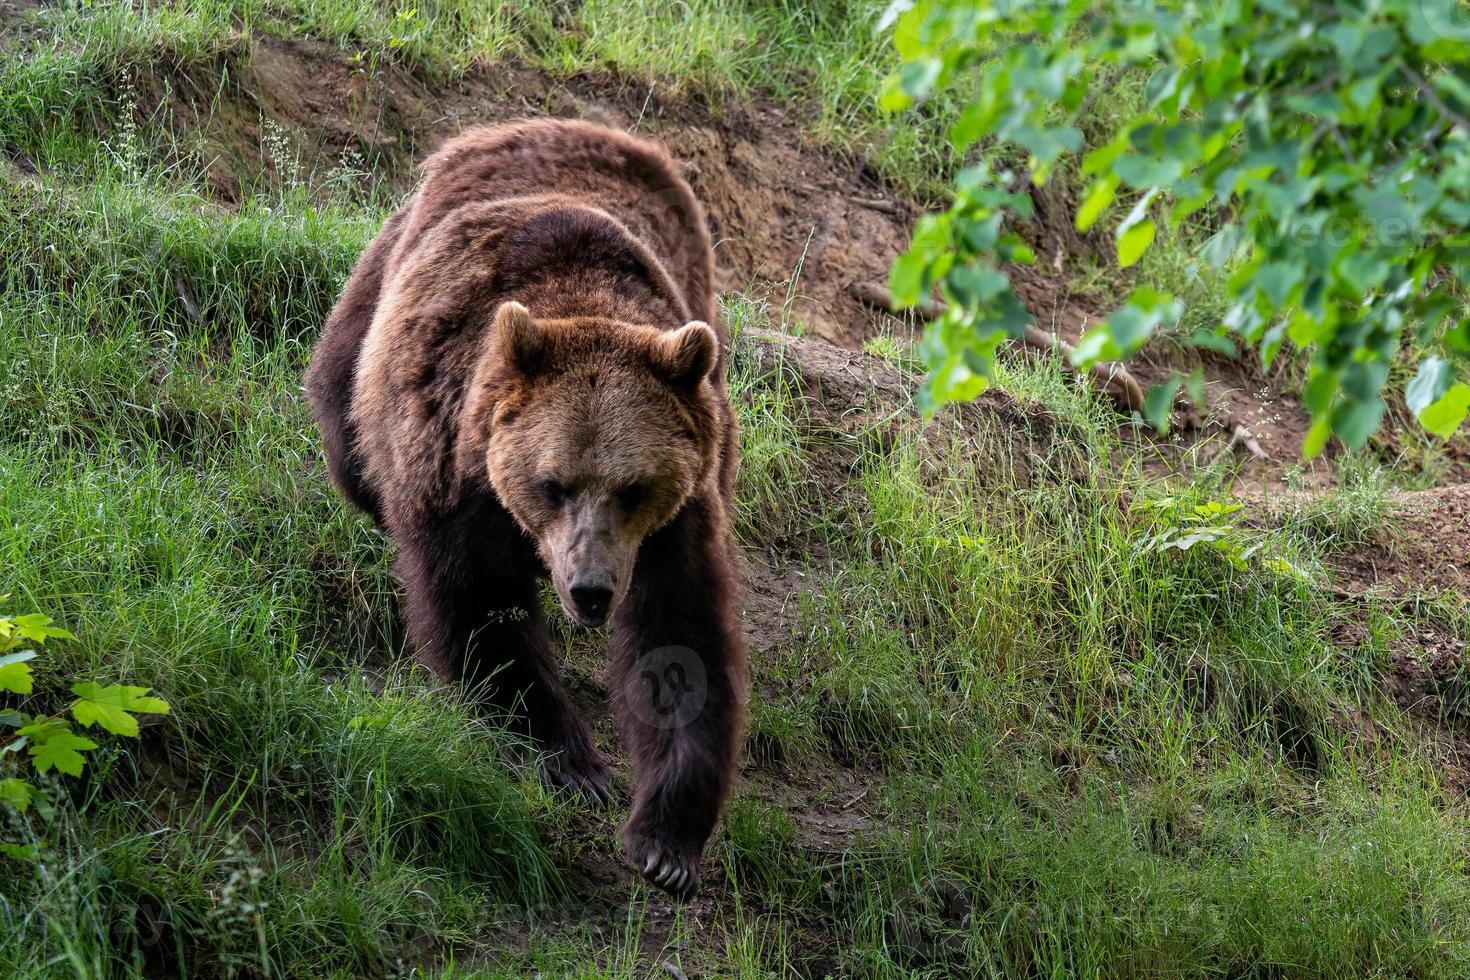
x,y
578,769
664,866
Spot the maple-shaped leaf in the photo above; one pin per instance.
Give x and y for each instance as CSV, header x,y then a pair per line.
x,y
37,627
15,676
61,750
112,707
17,793
41,728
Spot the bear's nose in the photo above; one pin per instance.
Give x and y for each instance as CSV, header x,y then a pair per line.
x,y
592,602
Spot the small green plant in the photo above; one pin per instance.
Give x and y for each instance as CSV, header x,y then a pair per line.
x,y
50,741
1180,525
407,27
897,352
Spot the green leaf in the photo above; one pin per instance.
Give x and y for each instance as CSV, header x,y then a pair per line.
x,y
61,750
1099,196
955,382
1134,242
110,707
1161,85
20,852
1363,92
975,122
1316,438
1457,337
918,77
973,286
1141,172
1435,377
1354,421
17,793
890,17
1278,280
1095,345
38,628
1102,159
1214,340
1129,328
1222,245
906,278
1047,143
15,676
1446,415
1158,404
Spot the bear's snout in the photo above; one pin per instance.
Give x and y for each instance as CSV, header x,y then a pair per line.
x,y
592,598
590,555
589,595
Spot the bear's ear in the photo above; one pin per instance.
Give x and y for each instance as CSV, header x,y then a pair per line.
x,y
687,356
519,338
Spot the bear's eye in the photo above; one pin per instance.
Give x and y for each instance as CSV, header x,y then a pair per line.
x,y
552,492
632,495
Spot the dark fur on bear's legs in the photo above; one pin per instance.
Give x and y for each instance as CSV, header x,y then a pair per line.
x,y
677,622
473,614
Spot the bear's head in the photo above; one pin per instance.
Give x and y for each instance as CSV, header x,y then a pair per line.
x,y
595,433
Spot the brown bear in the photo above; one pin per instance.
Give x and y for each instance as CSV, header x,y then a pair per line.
x,y
524,378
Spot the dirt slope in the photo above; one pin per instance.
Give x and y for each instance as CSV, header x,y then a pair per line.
x,y
782,210
1426,547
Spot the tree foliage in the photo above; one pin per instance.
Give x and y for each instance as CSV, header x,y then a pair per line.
x,y
1324,148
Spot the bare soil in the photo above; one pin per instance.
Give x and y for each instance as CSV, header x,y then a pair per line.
x,y
781,209
1424,548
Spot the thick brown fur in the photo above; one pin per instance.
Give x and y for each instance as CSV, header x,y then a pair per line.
x,y
525,314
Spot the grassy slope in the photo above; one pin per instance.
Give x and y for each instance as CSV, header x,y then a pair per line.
x,y
1081,756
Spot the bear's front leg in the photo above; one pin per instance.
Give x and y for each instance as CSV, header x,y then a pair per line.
x,y
473,616
679,688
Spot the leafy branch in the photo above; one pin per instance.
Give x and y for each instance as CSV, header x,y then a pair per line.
x,y
1330,143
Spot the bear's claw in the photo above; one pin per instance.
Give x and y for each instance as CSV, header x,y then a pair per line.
x,y
663,868
584,774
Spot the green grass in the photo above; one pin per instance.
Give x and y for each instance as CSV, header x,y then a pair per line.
x,y
162,493
1055,750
